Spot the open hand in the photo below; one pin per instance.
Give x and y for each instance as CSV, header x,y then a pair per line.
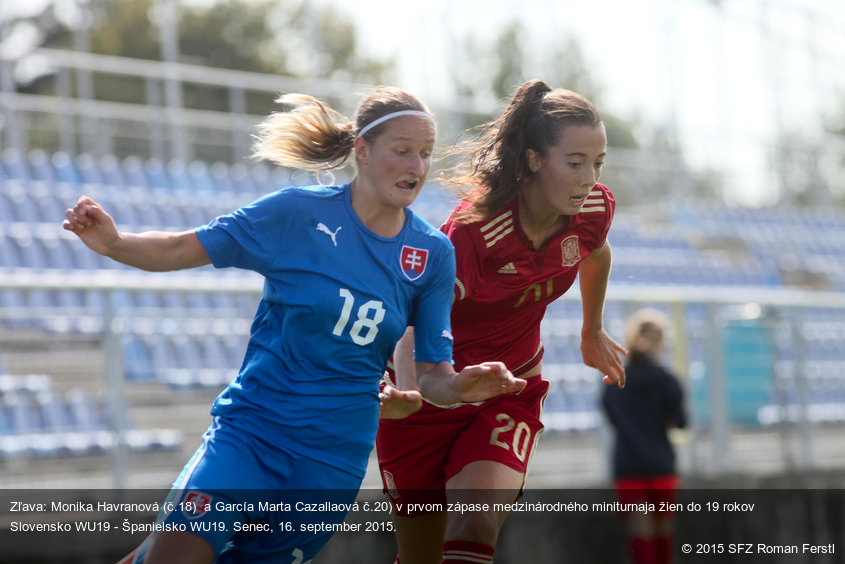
x,y
601,352
486,380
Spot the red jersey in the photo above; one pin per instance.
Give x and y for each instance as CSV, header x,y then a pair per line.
x,y
504,285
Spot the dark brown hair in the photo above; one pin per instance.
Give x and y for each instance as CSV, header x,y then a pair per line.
x,y
493,162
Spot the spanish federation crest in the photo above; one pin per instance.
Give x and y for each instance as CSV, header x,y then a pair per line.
x,y
413,261
570,251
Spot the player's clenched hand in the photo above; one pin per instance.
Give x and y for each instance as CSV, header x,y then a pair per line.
x,y
396,404
92,224
486,380
603,353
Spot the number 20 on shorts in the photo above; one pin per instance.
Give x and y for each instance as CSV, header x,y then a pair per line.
x,y
521,435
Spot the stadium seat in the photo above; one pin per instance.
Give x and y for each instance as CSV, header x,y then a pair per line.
x,y
178,177
202,178
88,171
22,208
156,174
111,171
15,166
41,167
84,414
65,169
23,414
133,174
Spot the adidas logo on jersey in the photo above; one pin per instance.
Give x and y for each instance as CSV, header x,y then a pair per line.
x,y
508,269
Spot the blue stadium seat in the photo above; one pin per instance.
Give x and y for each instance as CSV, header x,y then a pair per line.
x,y
5,422
65,169
8,252
156,174
41,167
214,354
146,299
87,170
202,179
178,177
263,180
166,210
82,257
12,301
7,212
220,176
242,182
133,174
58,251
49,209
23,414
172,300
31,251
72,301
187,354
84,414
136,358
22,208
199,301
53,413
15,166
111,170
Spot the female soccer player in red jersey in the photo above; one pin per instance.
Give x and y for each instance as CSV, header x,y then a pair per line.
x,y
532,217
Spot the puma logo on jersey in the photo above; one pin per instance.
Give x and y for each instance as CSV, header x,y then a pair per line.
x,y
508,269
333,234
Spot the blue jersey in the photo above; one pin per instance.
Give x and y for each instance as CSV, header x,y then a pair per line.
x,y
337,298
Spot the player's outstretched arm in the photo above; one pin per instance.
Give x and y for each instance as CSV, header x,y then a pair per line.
x,y
152,250
597,348
441,385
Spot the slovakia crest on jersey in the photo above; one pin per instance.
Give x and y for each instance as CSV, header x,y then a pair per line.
x,y
412,261
196,504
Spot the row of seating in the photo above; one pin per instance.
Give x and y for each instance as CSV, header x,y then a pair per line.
x,y
184,361
60,169
38,247
37,422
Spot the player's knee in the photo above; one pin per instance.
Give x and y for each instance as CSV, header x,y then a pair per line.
x,y
481,527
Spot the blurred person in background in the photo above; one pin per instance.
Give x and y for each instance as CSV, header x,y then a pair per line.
x,y
532,217
347,268
641,416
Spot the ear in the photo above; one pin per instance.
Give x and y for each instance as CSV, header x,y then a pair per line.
x,y
533,159
362,150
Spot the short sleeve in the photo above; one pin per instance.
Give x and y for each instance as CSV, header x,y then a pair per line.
x,y
250,237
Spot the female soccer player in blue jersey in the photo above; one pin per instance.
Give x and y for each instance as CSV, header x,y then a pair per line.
x,y
347,269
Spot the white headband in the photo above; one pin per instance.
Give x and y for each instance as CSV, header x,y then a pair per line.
x,y
384,118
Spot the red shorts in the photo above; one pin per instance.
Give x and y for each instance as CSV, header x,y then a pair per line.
x,y
420,453
659,490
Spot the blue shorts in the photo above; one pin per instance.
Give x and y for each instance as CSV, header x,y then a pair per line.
x,y
256,501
